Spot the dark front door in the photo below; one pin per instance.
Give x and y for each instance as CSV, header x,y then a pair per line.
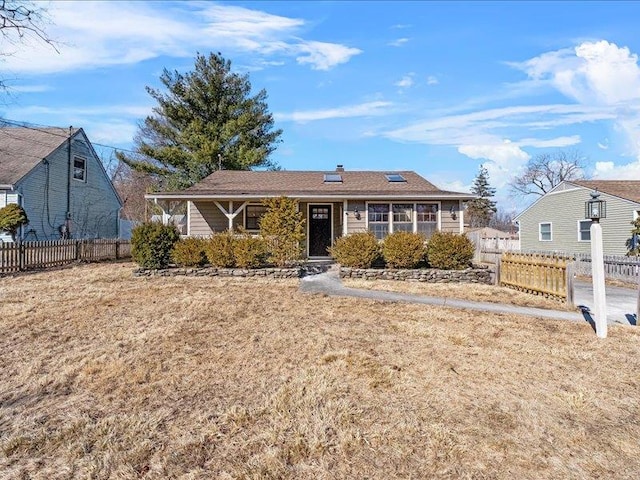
x,y
319,230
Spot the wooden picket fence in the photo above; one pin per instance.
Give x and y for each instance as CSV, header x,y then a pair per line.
x,y
16,257
547,275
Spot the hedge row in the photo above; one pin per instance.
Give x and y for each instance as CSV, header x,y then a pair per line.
x,y
447,251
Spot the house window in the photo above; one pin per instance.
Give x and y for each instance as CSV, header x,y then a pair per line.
x,y
584,230
253,214
545,232
427,218
80,169
320,213
379,219
402,217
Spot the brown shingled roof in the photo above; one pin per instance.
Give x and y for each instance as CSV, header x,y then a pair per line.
x,y
307,183
22,148
628,189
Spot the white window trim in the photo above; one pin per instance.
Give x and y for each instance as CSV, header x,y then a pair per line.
x,y
550,231
636,214
73,170
579,222
308,222
414,214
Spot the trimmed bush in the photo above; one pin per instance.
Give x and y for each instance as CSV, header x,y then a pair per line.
x,y
219,250
449,251
12,217
282,226
189,252
358,250
249,251
152,243
404,250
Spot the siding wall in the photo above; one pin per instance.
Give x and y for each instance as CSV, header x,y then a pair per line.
x,y
448,224
205,218
94,203
353,224
563,209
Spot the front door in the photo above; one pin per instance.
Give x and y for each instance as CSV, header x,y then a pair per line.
x,y
319,230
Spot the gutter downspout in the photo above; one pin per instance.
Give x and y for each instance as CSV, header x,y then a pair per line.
x,y
68,219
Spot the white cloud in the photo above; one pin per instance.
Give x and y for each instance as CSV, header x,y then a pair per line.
x,y
609,170
398,42
361,110
406,81
95,34
324,56
504,159
604,145
114,132
432,80
28,88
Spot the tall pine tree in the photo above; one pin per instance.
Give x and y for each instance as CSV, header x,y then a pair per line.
x,y
480,210
206,118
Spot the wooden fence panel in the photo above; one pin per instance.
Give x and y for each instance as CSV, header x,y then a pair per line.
x,y
16,257
537,273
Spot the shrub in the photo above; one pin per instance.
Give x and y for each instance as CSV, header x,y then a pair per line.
x,y
404,250
152,243
449,251
358,250
219,250
249,251
282,226
12,217
189,252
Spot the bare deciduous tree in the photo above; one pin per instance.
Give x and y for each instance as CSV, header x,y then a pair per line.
x,y
547,170
20,20
132,186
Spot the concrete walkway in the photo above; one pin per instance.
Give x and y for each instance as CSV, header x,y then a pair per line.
x,y
621,302
329,283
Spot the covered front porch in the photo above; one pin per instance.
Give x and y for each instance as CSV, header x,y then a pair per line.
x,y
326,219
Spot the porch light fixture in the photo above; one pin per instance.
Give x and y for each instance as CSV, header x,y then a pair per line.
x,y
595,209
356,213
452,211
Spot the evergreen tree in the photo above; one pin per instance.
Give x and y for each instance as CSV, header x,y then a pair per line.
x,y
480,210
207,118
633,243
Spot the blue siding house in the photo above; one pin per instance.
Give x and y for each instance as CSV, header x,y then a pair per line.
x,y
57,177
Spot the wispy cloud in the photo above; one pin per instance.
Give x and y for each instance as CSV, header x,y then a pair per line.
x,y
96,34
398,42
432,80
405,82
366,109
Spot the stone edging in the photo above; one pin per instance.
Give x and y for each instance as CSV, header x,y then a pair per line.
x,y
294,272
477,274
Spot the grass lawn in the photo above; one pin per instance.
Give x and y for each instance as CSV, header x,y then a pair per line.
x,y
103,375
466,291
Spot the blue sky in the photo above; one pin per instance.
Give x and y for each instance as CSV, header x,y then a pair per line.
x,y
438,88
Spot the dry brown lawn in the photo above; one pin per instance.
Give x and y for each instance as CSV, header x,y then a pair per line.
x,y
464,291
103,375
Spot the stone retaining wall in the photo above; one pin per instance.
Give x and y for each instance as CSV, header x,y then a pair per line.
x,y
220,272
294,272
478,274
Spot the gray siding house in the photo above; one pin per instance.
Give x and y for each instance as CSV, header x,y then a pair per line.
x,y
333,203
556,221
57,177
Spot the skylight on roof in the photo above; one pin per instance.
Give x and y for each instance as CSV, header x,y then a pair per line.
x,y
332,178
395,177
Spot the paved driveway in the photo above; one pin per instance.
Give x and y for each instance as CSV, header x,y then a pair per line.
x,y
621,302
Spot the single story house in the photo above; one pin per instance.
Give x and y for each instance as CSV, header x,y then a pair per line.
x,y
556,221
333,203
59,180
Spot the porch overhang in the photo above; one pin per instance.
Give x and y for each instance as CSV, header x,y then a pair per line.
x,y
310,197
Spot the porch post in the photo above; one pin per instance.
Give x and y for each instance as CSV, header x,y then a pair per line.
x,y
345,218
230,217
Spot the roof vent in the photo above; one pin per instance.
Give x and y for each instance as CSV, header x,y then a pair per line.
x,y
395,177
339,168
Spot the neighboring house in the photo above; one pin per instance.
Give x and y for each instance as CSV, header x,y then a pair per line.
x,y
556,221
333,203
59,181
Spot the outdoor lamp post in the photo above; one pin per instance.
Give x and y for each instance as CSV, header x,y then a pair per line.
x,y
596,209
